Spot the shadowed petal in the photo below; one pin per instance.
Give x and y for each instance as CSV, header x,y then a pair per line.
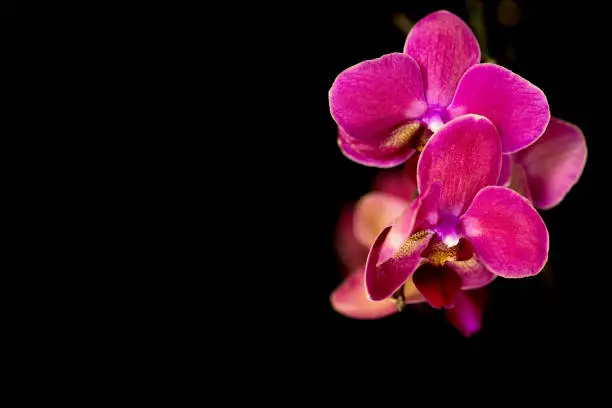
x,y
350,299
464,156
372,98
439,285
400,184
380,156
518,108
466,316
554,163
445,47
374,212
411,293
352,253
505,172
506,232
518,181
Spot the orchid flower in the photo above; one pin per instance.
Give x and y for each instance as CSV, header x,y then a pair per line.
x,y
547,170
358,227
463,230
387,107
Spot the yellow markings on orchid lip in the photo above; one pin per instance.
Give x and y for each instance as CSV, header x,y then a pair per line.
x,y
438,253
403,135
423,138
408,246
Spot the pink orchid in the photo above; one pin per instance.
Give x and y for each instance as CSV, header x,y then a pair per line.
x,y
387,107
463,230
547,170
358,228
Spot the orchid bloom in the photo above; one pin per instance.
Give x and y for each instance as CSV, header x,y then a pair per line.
x,y
387,107
358,228
463,230
547,170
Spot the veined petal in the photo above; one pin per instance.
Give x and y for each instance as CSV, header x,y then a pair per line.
x,y
506,232
445,47
518,108
383,279
396,252
463,156
383,155
554,163
374,97
350,299
374,212
473,274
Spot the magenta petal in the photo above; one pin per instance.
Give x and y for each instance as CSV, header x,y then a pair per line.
x,y
350,299
464,156
375,211
373,155
506,232
554,163
466,316
505,172
383,278
445,47
518,108
374,97
473,274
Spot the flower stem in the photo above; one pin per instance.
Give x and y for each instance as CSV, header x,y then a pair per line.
x,y
476,15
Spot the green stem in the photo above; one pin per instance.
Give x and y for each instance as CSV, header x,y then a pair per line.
x,y
476,16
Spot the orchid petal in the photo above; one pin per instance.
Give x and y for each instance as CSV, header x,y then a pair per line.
x,y
507,234
473,274
352,253
374,212
518,181
398,184
384,155
518,108
464,156
350,299
554,163
445,47
384,279
374,97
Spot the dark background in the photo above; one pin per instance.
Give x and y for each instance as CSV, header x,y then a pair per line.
x,y
561,46
7,8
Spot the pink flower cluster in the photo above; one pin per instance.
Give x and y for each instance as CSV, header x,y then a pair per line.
x,y
484,152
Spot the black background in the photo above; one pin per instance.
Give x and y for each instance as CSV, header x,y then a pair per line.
x,y
302,181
